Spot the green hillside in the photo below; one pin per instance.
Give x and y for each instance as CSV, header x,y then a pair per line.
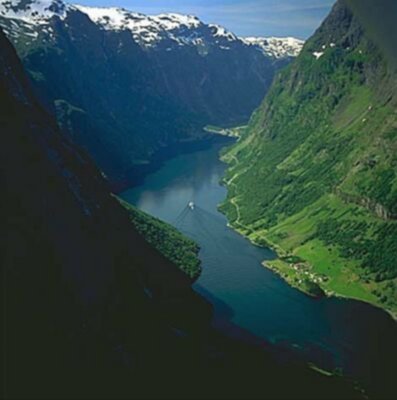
x,y
177,248
315,175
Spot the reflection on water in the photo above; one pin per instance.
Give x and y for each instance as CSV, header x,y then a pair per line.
x,y
332,332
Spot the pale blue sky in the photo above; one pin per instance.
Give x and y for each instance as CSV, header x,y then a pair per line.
x,y
297,18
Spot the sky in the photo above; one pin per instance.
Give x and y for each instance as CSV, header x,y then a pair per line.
x,y
298,18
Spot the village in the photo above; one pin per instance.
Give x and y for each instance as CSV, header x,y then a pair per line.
x,y
298,273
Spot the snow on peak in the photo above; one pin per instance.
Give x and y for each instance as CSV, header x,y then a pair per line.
x,y
33,11
173,21
120,18
111,17
275,46
147,30
221,32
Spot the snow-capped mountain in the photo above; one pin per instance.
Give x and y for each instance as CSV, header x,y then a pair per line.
x,y
34,11
126,85
148,31
277,47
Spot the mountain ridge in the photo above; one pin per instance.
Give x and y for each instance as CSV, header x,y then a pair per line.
x,y
315,175
126,103
147,30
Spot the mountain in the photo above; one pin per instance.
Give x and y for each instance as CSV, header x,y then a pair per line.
x,y
278,48
185,30
131,88
84,292
315,173
91,309
150,32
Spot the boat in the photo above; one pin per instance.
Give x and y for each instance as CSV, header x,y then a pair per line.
x,y
191,205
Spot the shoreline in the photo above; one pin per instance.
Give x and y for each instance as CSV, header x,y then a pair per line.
x,y
298,351
327,293
288,275
137,174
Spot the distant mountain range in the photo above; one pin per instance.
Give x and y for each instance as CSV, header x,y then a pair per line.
x,y
130,87
149,31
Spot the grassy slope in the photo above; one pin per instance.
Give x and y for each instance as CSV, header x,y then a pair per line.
x,y
315,176
182,251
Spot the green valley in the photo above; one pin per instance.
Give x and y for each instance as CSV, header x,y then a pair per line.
x,y
315,174
136,263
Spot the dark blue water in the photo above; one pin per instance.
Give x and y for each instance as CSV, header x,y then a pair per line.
x,y
352,336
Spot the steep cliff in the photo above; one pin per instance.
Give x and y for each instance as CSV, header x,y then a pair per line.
x,y
315,175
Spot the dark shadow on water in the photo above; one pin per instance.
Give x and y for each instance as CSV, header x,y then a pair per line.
x,y
280,353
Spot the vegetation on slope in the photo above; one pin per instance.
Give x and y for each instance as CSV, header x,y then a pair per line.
x,y
315,175
182,251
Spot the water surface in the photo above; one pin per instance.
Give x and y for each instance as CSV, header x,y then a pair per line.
x,y
349,335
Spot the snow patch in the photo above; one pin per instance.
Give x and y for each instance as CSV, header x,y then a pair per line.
x,y
318,54
276,47
324,47
221,32
34,11
147,30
